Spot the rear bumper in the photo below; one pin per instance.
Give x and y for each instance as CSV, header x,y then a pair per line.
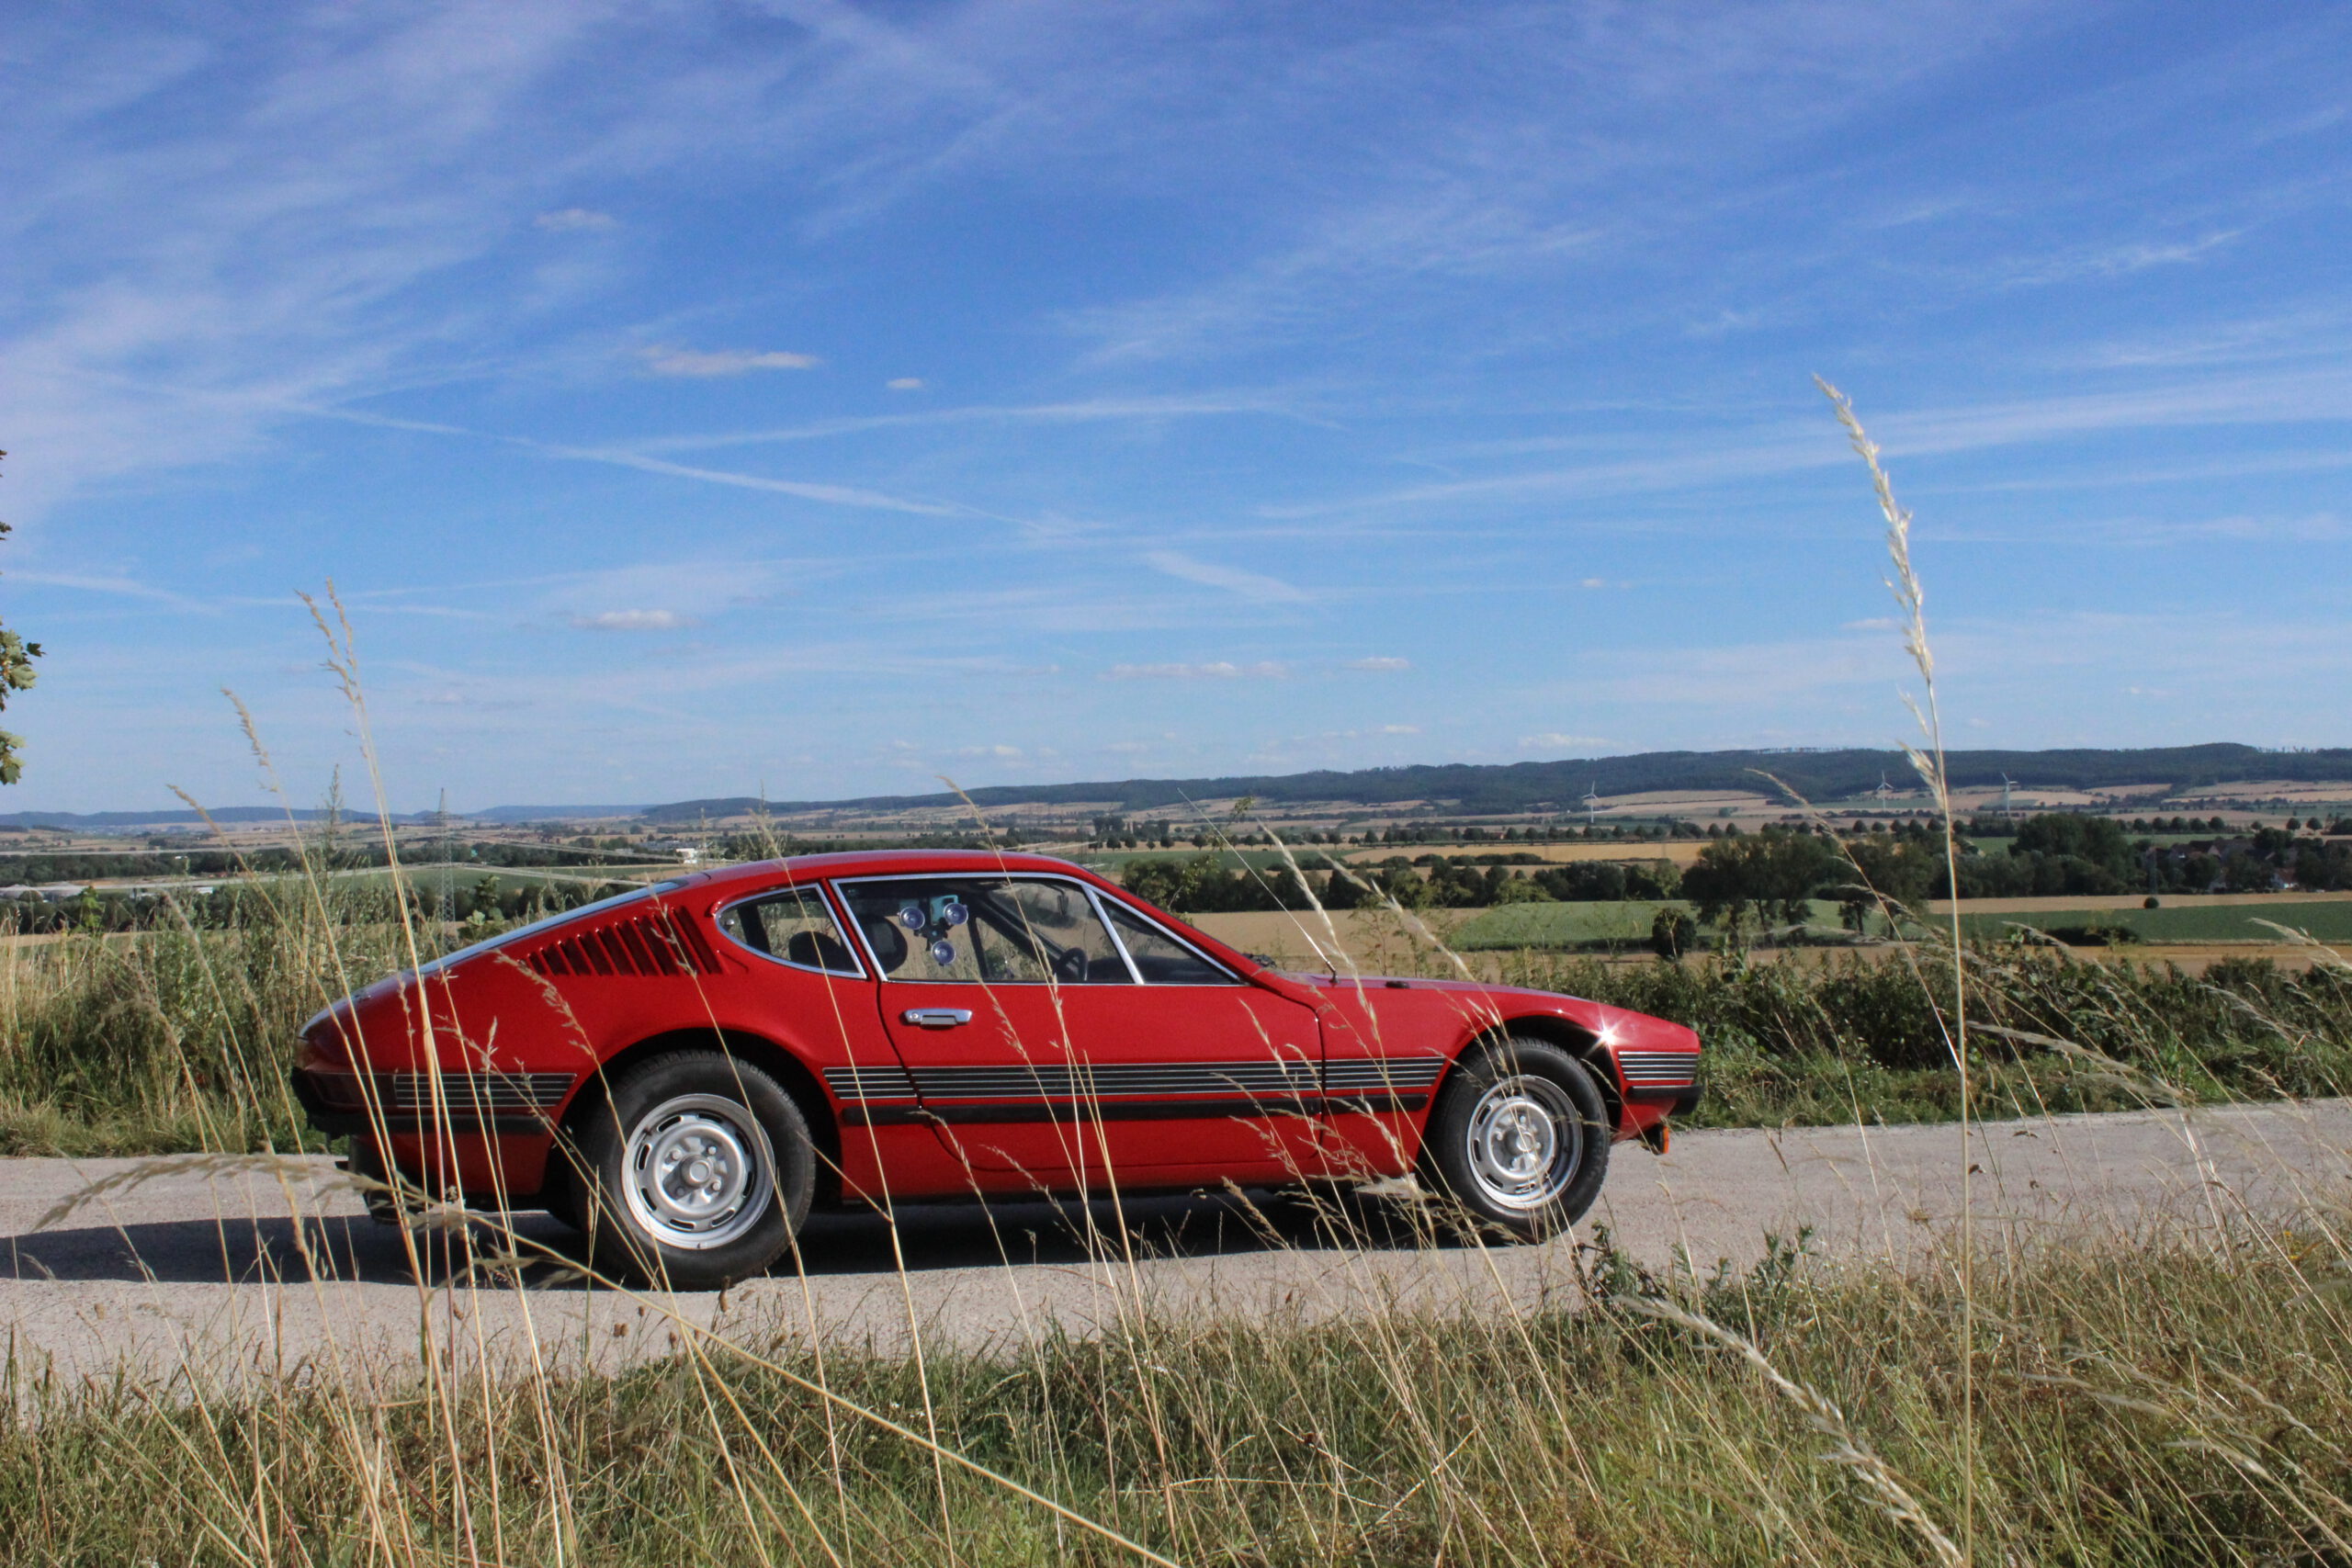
x,y
460,1102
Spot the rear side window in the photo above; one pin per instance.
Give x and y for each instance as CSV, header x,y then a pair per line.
x,y
795,926
1160,958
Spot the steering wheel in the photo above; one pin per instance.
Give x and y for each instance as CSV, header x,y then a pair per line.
x,y
1071,966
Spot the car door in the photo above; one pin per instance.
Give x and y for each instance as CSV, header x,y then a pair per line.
x,y
1038,1040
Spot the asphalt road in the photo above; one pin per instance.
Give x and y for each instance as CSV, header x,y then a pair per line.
x,y
229,1273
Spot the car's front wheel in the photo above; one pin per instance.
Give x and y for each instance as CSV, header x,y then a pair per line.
x,y
702,1170
1520,1138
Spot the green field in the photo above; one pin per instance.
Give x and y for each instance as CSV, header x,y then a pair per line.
x,y
2328,922
1557,925
1568,925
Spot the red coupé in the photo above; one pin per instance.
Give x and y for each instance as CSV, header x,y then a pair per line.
x,y
684,1071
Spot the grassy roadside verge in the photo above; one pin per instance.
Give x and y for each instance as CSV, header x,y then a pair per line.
x,y
178,1039
2147,1403
1858,1038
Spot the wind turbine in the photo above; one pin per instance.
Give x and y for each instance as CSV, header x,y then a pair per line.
x,y
1591,804
1885,791
2007,783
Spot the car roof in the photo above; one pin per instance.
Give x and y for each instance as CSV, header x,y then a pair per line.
x,y
727,880
886,863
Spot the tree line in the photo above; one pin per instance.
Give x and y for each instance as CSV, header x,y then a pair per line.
x,y
1772,877
482,906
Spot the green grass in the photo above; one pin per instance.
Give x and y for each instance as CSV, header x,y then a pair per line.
x,y
2147,1404
1510,926
1619,923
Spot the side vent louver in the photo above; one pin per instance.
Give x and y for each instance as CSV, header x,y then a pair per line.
x,y
654,945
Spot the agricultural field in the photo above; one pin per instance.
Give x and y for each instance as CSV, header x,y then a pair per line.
x,y
1562,925
2327,920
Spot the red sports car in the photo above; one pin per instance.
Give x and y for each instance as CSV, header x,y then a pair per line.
x,y
684,1070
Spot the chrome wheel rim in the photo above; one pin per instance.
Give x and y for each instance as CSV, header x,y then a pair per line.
x,y
697,1172
1525,1142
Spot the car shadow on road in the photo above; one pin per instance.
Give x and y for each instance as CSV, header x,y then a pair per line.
x,y
930,1236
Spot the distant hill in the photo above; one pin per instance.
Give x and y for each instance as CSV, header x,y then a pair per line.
x,y
114,821
1523,786
567,813
1466,787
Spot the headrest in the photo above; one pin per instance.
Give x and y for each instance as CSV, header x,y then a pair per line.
x,y
818,950
889,943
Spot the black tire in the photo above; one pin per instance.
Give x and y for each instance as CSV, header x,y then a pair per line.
x,y
703,1170
1520,1108
564,1191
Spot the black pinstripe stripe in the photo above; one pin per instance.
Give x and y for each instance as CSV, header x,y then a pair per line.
x,y
1156,1079
473,1091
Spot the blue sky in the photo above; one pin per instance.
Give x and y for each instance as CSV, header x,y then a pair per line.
x,y
692,398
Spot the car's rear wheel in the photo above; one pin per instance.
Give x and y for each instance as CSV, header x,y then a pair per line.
x,y
1520,1138
702,1170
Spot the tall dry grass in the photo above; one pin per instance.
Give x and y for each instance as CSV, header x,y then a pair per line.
x,y
177,1038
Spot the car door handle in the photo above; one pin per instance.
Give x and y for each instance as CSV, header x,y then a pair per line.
x,y
937,1018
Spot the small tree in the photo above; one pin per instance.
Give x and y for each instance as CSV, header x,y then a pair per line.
x,y
1672,932
16,672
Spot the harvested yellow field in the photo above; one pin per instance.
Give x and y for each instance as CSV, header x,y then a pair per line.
x,y
1374,939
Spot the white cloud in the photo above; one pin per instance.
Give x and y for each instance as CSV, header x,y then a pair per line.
x,y
569,219
632,621
1379,666
663,360
1219,670
906,384
1552,741
1248,585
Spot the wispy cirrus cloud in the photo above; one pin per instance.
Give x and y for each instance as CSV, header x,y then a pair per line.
x,y
2118,261
833,494
572,219
115,587
1252,585
704,363
630,621
1091,411
1217,670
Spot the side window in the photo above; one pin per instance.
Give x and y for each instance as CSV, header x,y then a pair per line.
x,y
918,930
1057,925
794,926
1160,958
986,929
